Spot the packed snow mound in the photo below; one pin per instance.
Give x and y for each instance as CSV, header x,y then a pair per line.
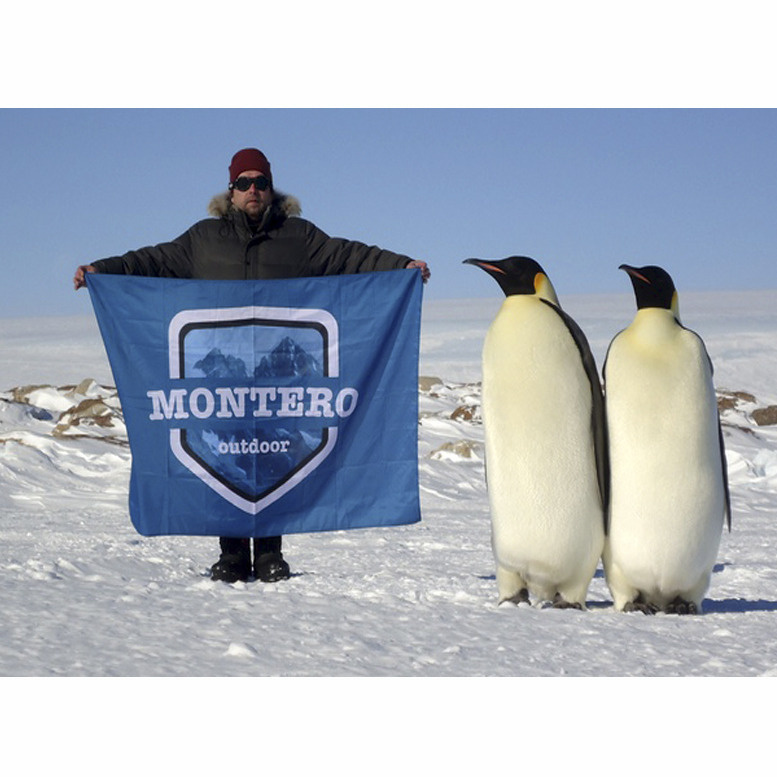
x,y
61,441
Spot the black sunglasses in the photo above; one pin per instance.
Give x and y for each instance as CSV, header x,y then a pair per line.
x,y
244,184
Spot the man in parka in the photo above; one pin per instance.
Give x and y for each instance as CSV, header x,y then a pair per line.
x,y
255,234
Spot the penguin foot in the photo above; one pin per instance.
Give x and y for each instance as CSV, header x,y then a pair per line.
x,y
640,605
560,603
680,606
522,597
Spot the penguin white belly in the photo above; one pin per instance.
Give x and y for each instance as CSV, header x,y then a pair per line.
x,y
546,512
667,489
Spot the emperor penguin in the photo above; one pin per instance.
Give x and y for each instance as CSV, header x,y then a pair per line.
x,y
669,487
546,463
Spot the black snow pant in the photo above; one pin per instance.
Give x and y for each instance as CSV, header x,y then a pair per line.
x,y
261,545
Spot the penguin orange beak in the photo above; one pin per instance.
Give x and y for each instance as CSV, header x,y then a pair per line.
x,y
633,272
485,265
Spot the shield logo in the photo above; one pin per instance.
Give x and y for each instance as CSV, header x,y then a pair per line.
x,y
247,453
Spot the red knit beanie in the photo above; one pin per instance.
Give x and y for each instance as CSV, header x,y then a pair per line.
x,y
249,159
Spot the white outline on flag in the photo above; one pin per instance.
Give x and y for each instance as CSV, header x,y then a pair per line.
x,y
224,316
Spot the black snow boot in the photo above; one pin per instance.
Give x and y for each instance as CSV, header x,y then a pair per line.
x,y
235,561
269,564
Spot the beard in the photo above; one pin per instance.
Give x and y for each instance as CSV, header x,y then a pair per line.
x,y
255,210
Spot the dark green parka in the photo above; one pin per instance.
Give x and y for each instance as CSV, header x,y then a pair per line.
x,y
229,247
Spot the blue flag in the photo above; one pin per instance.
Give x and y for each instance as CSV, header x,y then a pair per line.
x,y
262,408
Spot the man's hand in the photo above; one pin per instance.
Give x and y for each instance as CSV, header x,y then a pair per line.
x,y
79,279
422,266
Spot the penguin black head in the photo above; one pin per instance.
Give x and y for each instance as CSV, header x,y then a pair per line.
x,y
518,275
653,287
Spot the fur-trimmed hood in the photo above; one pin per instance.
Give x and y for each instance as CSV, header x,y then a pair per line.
x,y
284,204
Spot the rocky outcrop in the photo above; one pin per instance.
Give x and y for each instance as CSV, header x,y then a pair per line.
x,y
83,410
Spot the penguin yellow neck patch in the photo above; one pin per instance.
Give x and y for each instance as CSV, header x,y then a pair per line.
x,y
544,288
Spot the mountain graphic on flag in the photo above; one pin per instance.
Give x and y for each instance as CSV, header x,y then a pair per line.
x,y
286,360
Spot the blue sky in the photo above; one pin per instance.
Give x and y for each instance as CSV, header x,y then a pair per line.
x,y
580,190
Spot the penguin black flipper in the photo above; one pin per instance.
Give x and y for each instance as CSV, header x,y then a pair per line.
x,y
723,461
598,419
724,466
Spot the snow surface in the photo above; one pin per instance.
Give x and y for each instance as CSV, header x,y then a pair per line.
x,y
84,595
416,600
